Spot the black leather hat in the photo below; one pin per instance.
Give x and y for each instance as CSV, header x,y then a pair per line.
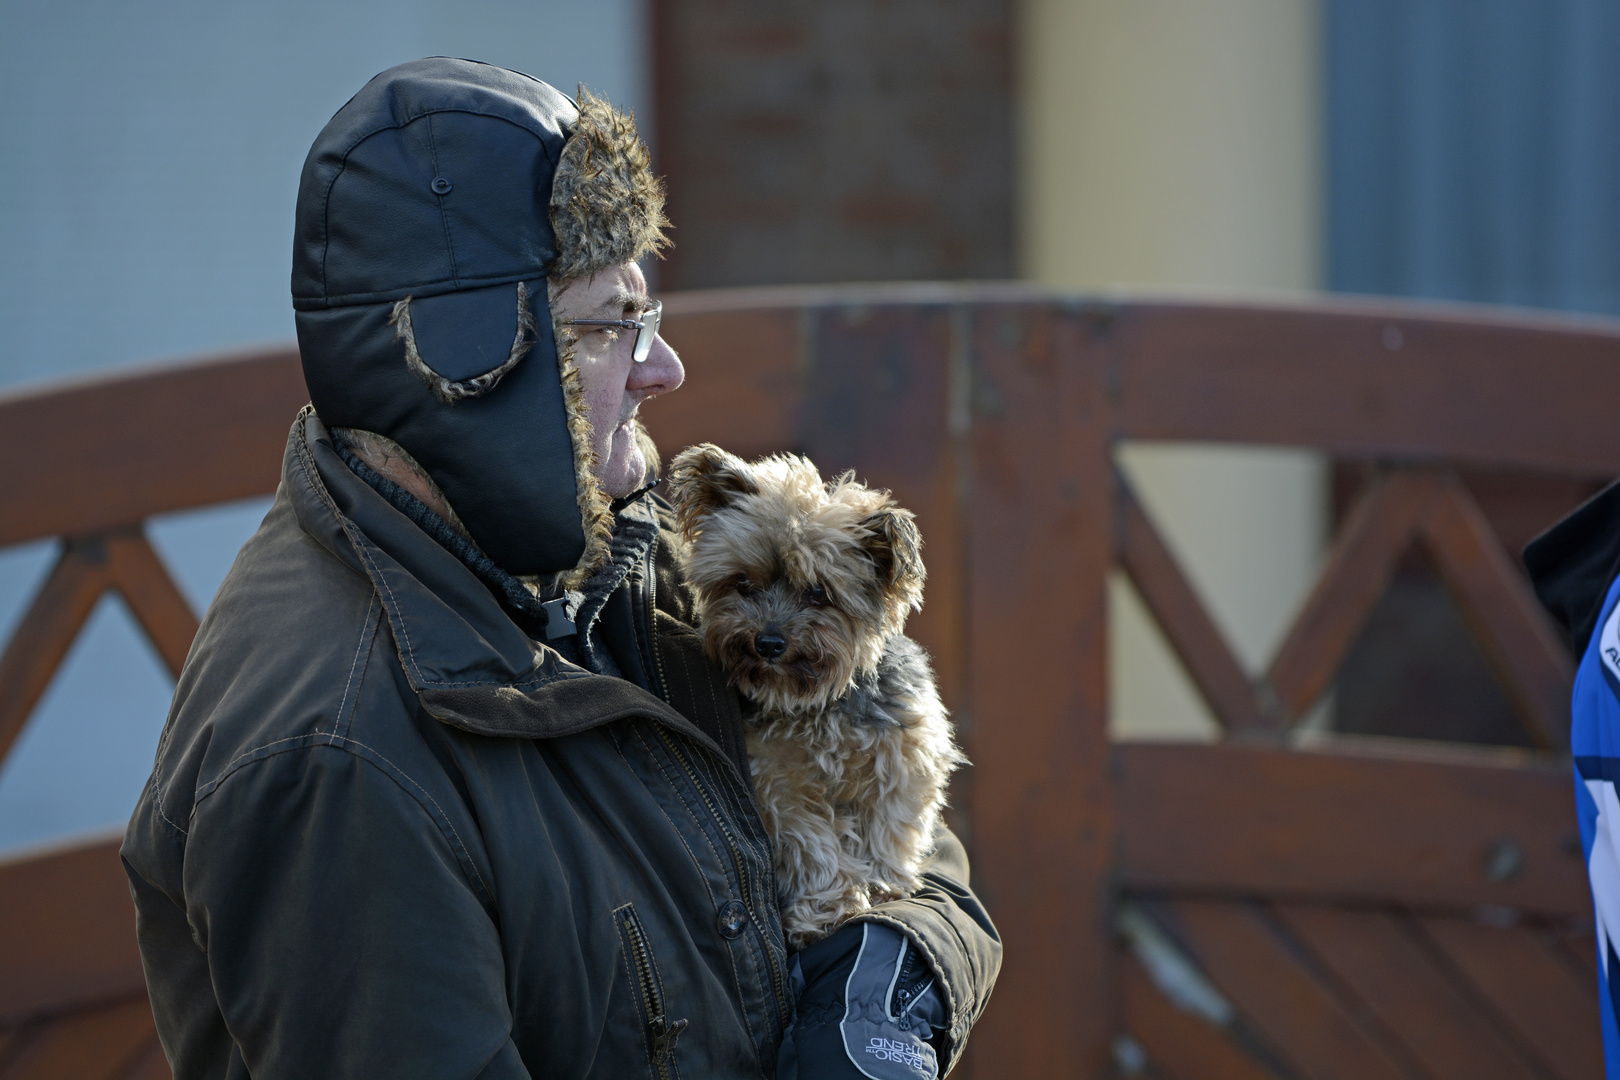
x,y
422,243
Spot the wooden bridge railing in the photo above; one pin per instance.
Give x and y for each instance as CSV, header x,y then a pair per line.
x,y
1330,897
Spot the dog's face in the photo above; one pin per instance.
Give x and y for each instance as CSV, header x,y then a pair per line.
x,y
799,582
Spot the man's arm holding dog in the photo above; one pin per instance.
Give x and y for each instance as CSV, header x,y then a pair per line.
x,y
944,923
948,923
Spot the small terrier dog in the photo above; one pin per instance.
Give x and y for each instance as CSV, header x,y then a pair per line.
x,y
802,590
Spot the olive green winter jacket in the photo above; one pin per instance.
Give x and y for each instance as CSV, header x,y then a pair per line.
x,y
390,835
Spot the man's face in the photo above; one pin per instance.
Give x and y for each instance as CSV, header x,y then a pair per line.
x,y
614,384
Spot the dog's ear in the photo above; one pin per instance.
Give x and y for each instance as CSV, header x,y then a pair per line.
x,y
895,546
702,479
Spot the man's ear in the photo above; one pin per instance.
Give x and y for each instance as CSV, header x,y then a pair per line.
x,y
702,479
895,546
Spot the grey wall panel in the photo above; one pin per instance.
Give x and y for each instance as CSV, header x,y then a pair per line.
x,y
1474,150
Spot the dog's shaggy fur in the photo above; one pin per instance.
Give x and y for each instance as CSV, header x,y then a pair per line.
x,y
803,589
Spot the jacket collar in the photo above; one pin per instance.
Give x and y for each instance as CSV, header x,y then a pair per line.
x,y
1574,562
468,662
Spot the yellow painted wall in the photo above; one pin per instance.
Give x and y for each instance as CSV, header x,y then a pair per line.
x,y
1175,143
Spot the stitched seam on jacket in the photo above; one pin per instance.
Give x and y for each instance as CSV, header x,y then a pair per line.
x,y
393,602
359,647
658,763
465,853
312,478
255,754
157,804
960,940
157,788
311,474
164,741
393,772
408,652
365,666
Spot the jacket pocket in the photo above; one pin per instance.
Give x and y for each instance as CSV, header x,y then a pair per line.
x,y
661,1031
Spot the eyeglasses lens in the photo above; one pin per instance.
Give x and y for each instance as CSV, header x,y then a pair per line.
x,y
649,330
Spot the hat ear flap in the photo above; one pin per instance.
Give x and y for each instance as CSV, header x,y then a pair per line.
x,y
703,479
895,545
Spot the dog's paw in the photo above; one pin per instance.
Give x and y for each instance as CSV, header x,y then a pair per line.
x,y
882,893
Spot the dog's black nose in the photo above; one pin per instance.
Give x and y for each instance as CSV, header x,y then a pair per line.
x,y
769,646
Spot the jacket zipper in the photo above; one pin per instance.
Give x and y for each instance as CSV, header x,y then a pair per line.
x,y
662,1032
650,576
777,979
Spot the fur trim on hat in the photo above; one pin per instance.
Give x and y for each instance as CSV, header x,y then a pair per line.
x,y
595,508
607,207
451,391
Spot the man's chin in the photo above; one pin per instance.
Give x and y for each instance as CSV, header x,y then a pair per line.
x,y
623,471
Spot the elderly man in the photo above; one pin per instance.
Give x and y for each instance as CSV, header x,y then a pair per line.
x,y
449,788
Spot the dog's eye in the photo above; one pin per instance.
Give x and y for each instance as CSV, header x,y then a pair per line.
x,y
744,586
817,596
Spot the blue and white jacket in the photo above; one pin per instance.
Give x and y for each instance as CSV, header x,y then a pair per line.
x,y
1595,742
1575,566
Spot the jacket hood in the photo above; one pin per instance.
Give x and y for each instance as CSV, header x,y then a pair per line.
x,y
426,228
1573,563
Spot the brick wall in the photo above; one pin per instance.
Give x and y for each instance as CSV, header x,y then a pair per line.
x,y
834,140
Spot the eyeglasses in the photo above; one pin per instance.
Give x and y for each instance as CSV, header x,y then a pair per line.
x,y
646,328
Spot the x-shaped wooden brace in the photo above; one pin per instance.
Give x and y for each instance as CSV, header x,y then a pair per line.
x,y
1427,504
123,560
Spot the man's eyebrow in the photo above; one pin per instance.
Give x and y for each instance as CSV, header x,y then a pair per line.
x,y
624,300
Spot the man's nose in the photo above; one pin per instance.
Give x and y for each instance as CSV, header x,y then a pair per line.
x,y
660,373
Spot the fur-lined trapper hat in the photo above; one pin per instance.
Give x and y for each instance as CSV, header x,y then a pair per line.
x,y
432,211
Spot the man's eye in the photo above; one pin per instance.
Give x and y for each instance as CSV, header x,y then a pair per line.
x,y
817,596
